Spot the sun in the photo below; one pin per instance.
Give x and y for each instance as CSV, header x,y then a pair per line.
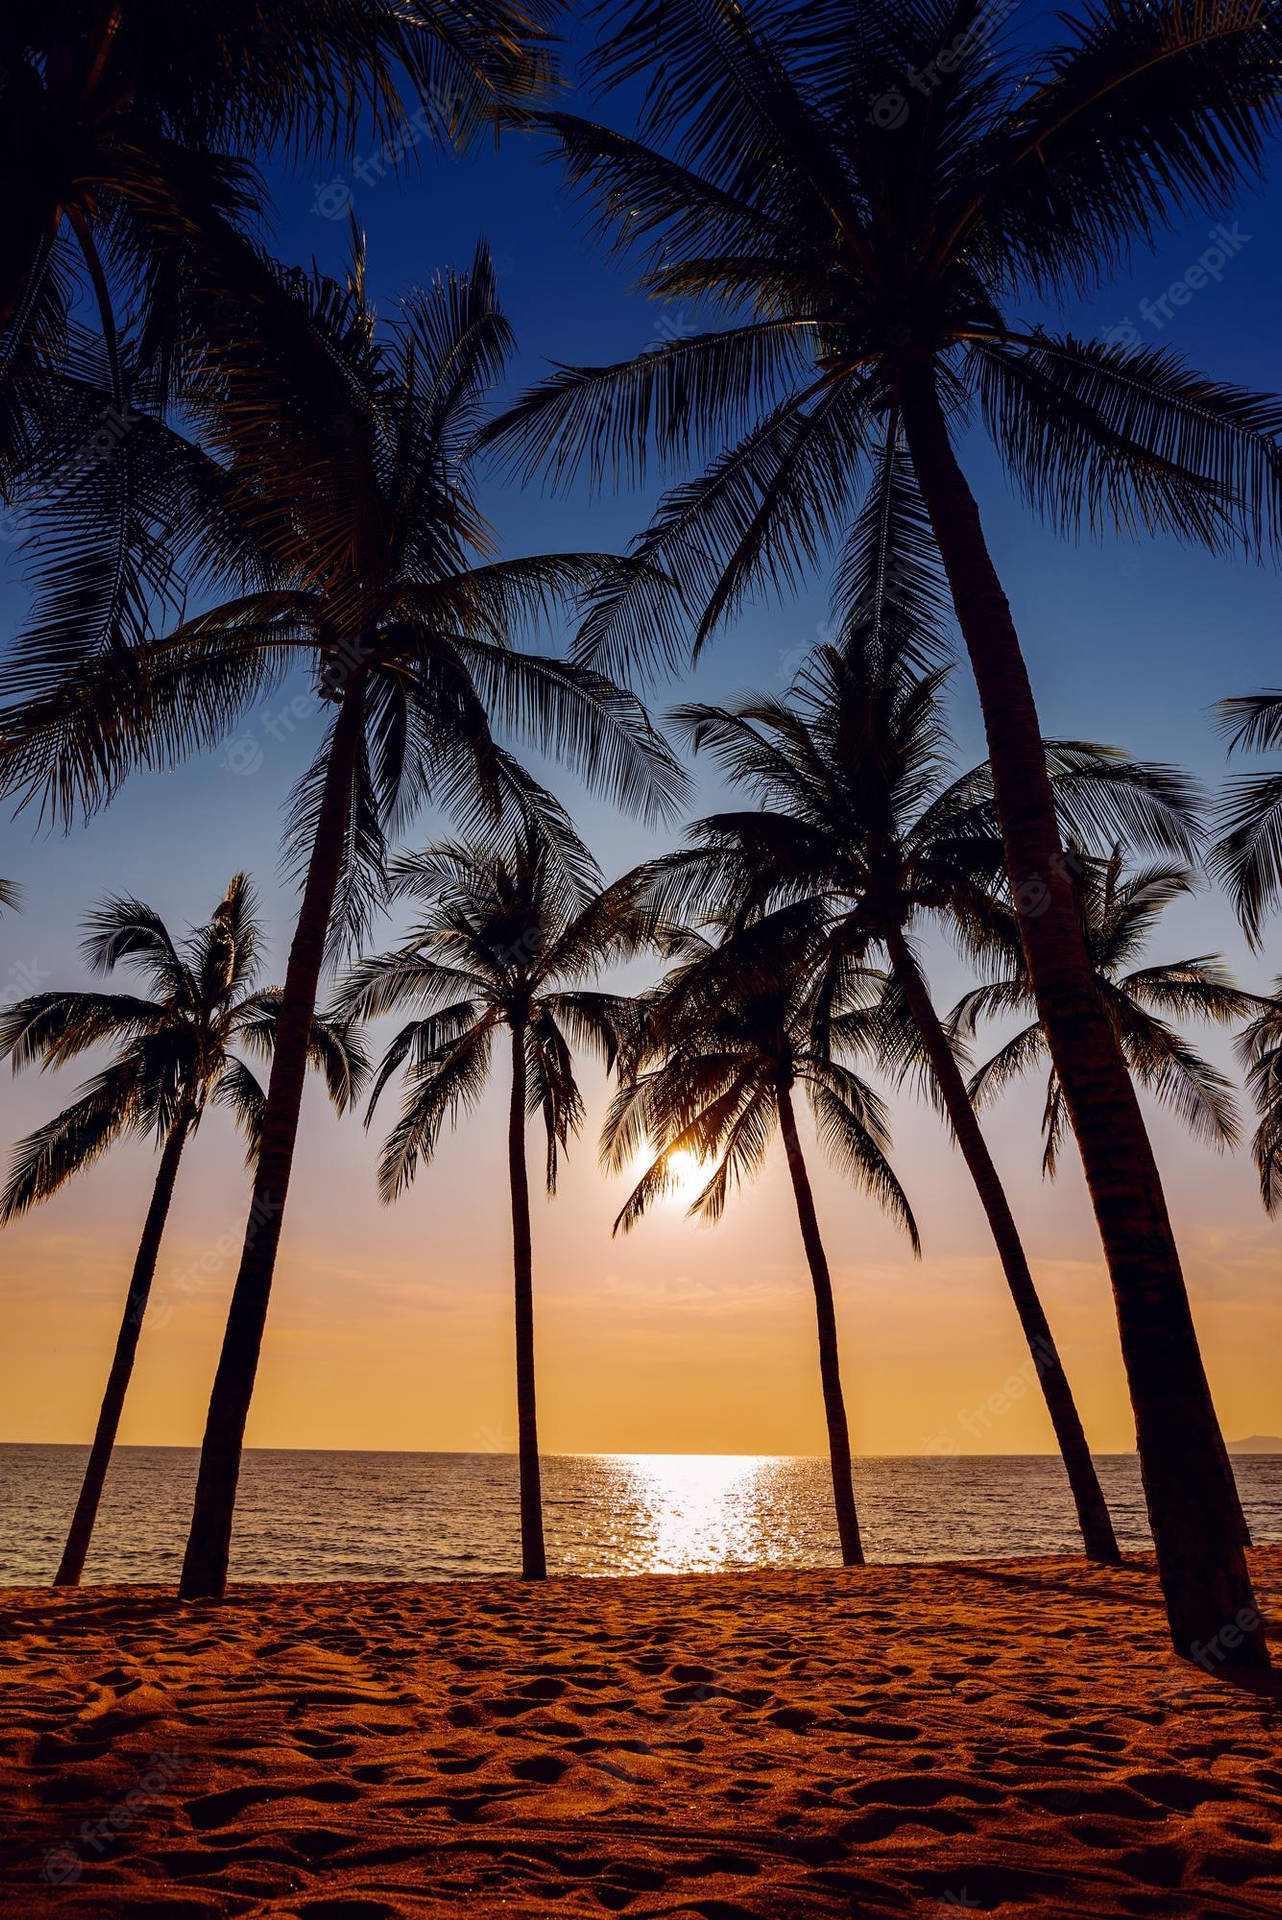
x,y
687,1175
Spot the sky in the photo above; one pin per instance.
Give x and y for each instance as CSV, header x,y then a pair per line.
x,y
390,1327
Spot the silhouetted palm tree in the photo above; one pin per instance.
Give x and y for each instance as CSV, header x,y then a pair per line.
x,y
1248,858
729,1035
129,132
1248,854
504,946
10,895
173,1060
130,135
855,202
862,816
1260,1051
1120,911
347,500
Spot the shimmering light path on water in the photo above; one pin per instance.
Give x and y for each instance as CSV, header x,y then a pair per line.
x,y
425,1516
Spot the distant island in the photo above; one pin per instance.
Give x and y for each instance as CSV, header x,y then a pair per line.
x,y
1257,1443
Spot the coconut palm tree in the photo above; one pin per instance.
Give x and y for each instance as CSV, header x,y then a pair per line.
x,y
729,1036
130,135
10,895
1248,854
341,486
852,204
1259,1048
506,941
173,1060
1121,908
860,813
1248,858
1119,911
130,131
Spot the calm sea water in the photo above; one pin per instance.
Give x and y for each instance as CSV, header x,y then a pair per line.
x,y
450,1516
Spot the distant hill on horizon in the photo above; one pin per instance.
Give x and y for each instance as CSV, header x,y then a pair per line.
x,y
1257,1443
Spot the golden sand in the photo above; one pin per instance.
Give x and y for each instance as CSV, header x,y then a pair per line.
x,y
1002,1737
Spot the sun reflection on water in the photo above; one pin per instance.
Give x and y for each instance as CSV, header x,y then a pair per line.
x,y
694,1511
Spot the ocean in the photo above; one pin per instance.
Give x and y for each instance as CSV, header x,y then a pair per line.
x,y
453,1516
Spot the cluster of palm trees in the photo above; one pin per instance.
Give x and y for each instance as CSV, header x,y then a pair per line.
x,y
772,922
182,418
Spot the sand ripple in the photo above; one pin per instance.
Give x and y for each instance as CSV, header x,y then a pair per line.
x,y
1003,1737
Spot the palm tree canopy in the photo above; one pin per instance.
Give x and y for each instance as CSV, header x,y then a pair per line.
x,y
129,133
1121,908
172,1045
1248,854
859,803
734,1023
1259,1048
839,193
508,940
336,486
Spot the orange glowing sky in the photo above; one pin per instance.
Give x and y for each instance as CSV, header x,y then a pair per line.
x,y
390,1328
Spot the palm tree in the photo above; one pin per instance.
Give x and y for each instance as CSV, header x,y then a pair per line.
x,y
729,1035
506,939
1120,910
10,895
1248,858
173,1060
343,477
130,131
130,138
1248,854
854,202
1259,1049
861,815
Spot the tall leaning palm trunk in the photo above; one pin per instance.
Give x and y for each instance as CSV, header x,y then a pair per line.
x,y
72,1563
843,1491
393,593
173,1060
1093,1516
204,1571
533,1556
873,267
861,818
1192,1503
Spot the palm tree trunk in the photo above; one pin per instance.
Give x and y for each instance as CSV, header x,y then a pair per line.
x,y
204,1573
843,1491
533,1557
1093,1518
71,1566
1191,1500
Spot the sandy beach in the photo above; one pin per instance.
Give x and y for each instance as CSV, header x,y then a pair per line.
x,y
1008,1737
